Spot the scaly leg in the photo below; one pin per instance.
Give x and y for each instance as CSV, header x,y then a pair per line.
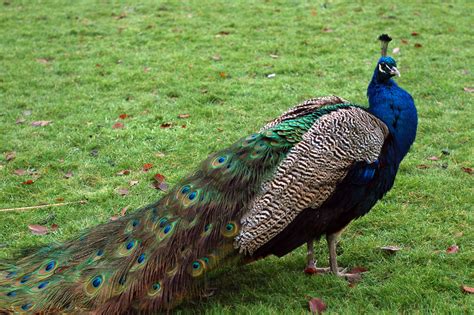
x,y
332,242
311,263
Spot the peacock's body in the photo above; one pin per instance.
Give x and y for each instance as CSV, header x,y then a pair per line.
x,y
306,174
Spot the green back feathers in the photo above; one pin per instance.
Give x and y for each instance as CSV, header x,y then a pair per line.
x,y
158,254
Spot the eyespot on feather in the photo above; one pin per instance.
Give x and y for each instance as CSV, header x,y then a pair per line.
x,y
155,289
197,268
231,229
94,284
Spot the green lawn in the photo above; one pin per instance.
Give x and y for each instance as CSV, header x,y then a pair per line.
x,y
83,64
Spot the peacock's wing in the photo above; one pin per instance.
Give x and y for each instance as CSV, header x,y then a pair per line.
x,y
310,172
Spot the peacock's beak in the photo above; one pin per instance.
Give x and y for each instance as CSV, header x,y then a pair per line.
x,y
394,71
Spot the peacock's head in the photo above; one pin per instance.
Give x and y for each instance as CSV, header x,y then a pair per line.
x,y
387,66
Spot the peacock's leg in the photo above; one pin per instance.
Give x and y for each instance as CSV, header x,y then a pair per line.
x,y
340,272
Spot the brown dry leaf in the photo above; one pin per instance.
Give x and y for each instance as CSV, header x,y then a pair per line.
x,y
10,155
118,125
390,249
358,269
123,172
396,50
28,182
316,306
222,75
404,41
163,186
20,120
467,289
40,123
159,178
37,229
43,61
146,69
314,12
123,116
19,172
121,16
123,211
54,227
184,116
223,33
433,158
68,175
166,125
469,89
422,166
133,183
453,249
418,45
467,169
123,191
414,34
147,167
327,30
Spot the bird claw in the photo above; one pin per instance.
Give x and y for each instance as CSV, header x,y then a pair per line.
x,y
311,270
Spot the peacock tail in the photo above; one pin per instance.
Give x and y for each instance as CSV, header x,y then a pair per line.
x,y
159,255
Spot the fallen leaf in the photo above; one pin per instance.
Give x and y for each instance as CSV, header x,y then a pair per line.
x,y
166,125
20,120
118,125
467,289
404,41
316,306
123,211
133,182
433,158
147,167
183,126
43,61
468,89
121,16
222,75
271,75
54,227
159,178
314,12
184,115
467,169
163,186
459,234
123,116
327,30
414,33
40,123
123,172
396,50
28,182
27,112
159,154
68,175
390,249
19,172
223,33
358,269
453,249
216,57
123,191
146,69
98,65
422,166
10,155
60,199
274,56
37,229
418,45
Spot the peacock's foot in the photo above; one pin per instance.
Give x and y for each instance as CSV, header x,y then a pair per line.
x,y
312,269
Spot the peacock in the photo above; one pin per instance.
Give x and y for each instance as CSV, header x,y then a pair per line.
x,y
306,174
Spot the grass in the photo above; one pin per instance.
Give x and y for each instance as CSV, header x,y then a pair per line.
x,y
82,64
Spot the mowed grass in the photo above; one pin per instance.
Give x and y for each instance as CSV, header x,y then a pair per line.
x,y
82,64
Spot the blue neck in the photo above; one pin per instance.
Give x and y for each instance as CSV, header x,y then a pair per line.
x,y
396,108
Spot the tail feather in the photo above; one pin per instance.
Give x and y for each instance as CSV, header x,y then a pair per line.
x,y
153,258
